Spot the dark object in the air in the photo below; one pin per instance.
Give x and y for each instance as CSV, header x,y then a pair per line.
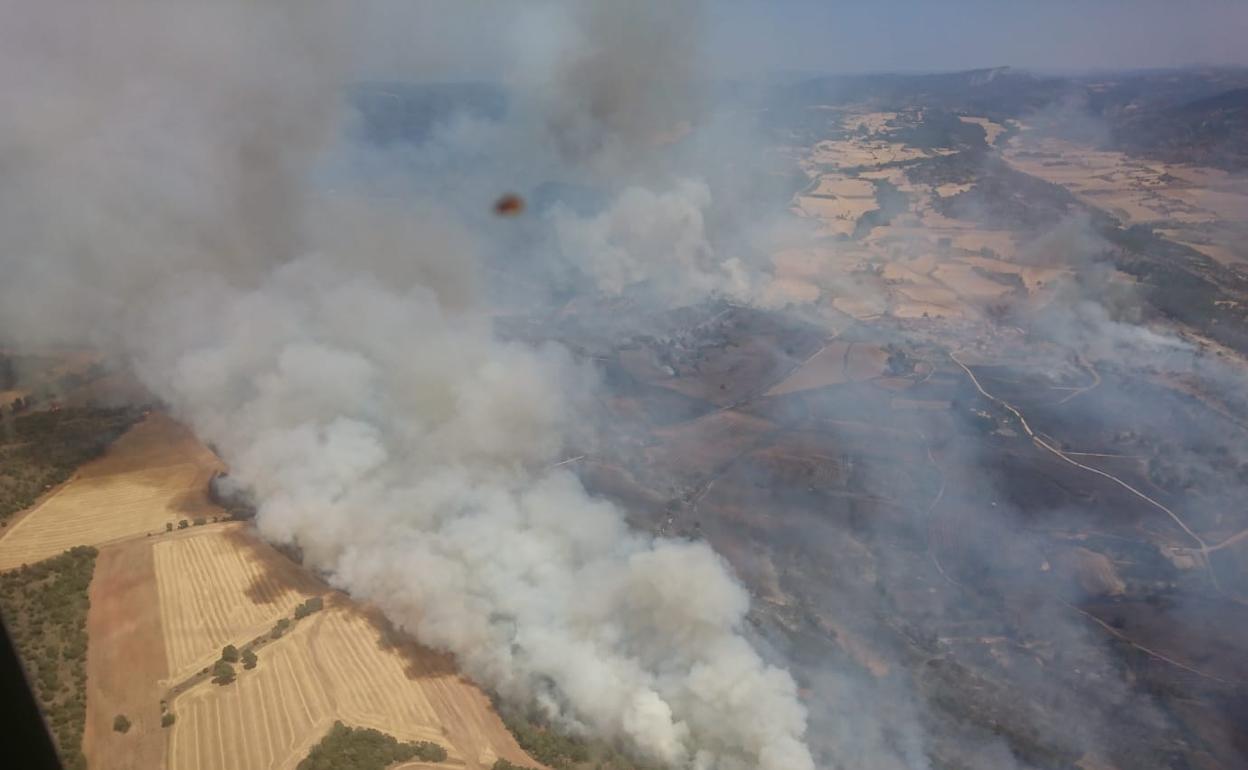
x,y
26,740
509,205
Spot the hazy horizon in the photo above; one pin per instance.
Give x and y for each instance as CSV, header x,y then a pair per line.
x,y
749,37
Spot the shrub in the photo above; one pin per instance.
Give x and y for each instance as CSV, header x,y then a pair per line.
x,y
41,449
229,653
121,724
280,628
222,673
314,604
249,659
366,749
167,719
546,746
183,524
45,606
168,526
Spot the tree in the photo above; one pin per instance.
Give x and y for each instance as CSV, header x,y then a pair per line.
x,y
222,673
168,526
229,653
167,719
121,724
280,628
183,524
200,521
308,607
249,659
366,749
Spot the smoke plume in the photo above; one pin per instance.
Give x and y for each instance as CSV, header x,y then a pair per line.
x,y
159,204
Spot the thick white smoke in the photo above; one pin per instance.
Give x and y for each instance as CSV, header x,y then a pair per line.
x,y
654,238
156,204
402,447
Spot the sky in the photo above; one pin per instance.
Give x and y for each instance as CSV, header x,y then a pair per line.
x,y
425,39
925,35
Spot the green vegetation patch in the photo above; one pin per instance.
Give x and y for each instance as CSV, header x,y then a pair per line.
x,y
39,450
352,748
892,202
45,609
547,746
314,604
223,673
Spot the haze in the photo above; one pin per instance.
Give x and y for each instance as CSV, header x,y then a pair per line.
x,y
751,38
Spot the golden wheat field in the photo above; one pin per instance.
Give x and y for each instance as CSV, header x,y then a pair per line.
x,y
156,473
332,666
218,586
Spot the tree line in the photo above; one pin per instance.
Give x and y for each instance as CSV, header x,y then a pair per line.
x,y
45,609
353,748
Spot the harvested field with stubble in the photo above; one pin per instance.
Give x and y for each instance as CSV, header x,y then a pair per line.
x,y
156,473
164,603
219,586
336,665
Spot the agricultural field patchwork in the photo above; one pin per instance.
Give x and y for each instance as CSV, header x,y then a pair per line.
x,y
153,476
334,665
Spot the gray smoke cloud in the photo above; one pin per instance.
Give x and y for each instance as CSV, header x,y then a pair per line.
x,y
657,237
159,202
621,83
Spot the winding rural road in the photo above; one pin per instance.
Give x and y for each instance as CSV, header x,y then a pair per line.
x,y
1039,441
1203,547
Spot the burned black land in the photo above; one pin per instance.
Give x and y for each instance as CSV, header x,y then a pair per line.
x,y
1041,592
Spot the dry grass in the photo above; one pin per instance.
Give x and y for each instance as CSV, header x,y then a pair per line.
x,y
837,216
843,187
851,153
950,190
783,291
156,473
1033,277
125,661
827,367
969,284
334,666
163,607
219,587
863,362
993,130
861,307
1135,190
929,294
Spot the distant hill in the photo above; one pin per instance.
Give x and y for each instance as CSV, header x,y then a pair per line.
x,y
1193,115
1211,131
999,92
